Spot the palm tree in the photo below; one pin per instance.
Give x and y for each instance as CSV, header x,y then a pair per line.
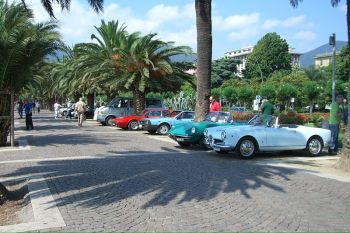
x,y
148,61
344,161
97,5
22,45
204,55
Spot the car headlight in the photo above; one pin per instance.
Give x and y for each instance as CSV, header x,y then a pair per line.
x,y
206,132
193,130
223,135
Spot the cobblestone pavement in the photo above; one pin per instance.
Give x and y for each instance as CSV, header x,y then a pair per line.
x,y
129,181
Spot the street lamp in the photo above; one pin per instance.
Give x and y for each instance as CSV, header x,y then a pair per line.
x,y
332,42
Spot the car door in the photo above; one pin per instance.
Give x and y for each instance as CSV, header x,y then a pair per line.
x,y
283,138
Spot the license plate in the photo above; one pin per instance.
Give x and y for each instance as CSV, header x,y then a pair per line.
x,y
180,139
217,149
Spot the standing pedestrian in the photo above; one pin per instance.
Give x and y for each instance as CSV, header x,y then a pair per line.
x,y
267,110
20,108
214,104
38,106
28,108
80,108
56,107
335,117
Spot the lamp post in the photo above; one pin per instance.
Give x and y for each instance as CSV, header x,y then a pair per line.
x,y
332,42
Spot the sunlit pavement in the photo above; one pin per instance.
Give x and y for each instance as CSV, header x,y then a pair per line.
x,y
106,179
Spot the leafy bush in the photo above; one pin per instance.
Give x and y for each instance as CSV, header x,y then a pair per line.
x,y
242,116
290,117
181,101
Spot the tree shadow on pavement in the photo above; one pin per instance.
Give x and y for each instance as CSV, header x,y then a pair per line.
x,y
161,177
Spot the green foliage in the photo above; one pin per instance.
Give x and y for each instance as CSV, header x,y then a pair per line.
x,y
269,90
217,92
311,90
269,55
246,94
285,92
342,67
222,69
181,101
230,93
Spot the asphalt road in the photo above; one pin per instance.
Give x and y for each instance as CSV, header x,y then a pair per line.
x,y
107,179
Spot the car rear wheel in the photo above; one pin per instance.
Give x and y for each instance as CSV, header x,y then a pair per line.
x,y
109,121
246,147
163,129
314,146
133,125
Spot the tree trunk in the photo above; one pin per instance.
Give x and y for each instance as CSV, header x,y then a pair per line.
x,y
139,101
90,100
4,194
204,55
12,118
344,161
311,106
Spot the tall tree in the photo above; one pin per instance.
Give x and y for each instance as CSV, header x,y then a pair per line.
x,y
270,54
222,69
344,161
204,55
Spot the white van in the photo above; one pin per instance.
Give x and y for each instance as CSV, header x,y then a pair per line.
x,y
122,106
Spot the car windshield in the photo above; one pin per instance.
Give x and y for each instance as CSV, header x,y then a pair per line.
x,y
218,117
259,119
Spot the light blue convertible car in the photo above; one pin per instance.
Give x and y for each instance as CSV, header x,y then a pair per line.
x,y
163,125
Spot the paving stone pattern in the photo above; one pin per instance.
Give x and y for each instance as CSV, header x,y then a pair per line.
x,y
163,190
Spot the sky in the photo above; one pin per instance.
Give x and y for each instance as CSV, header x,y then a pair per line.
x,y
236,23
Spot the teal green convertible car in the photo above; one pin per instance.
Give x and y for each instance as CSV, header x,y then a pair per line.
x,y
189,133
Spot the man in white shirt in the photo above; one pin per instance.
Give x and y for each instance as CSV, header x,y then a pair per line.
x,y
56,107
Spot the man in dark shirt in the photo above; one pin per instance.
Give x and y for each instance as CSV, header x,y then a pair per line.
x,y
28,107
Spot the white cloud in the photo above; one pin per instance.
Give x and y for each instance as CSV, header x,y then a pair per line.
x,y
235,21
305,35
185,37
344,8
243,34
289,22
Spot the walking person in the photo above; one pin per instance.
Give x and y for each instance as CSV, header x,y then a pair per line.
x,y
214,104
56,108
335,117
80,108
28,108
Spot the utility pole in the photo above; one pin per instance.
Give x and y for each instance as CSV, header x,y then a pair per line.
x,y
332,42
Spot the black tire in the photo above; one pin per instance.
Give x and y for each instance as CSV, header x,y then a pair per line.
x,y
222,152
163,129
133,125
247,147
109,121
152,131
183,144
203,144
314,146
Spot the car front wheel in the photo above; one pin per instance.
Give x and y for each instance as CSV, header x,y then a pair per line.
x,y
163,129
314,146
246,148
133,125
109,121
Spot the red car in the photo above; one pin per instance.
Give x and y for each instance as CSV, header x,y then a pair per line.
x,y
131,122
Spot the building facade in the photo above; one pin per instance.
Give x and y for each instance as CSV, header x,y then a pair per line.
x,y
323,60
242,54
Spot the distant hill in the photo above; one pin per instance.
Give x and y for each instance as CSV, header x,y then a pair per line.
x,y
187,58
307,59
